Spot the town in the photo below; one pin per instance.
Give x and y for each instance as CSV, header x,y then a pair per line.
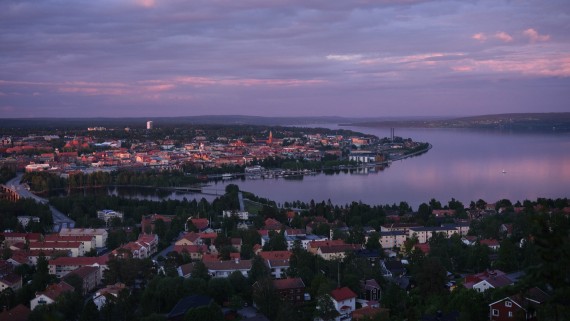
x,y
202,153
95,256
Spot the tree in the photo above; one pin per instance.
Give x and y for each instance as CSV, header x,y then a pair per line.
x,y
325,309
90,312
212,312
507,260
200,271
220,289
277,241
265,297
373,242
258,269
431,277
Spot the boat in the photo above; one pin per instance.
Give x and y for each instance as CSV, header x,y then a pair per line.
x,y
227,176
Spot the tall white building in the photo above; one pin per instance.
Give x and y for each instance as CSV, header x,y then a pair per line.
x,y
149,124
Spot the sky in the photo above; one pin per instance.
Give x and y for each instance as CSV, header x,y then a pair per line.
x,y
360,58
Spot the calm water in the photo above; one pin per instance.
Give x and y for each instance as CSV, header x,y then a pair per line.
x,y
463,164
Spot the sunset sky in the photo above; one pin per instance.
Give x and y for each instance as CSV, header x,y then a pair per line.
x,y
117,58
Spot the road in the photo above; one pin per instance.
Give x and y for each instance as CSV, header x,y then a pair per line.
x,y
59,219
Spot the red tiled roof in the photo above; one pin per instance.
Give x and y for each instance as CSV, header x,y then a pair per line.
x,y
192,237
200,223
53,291
84,271
80,261
18,313
228,265
276,255
342,294
489,242
317,244
289,283
367,312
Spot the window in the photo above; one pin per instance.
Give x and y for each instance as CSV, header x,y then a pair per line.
x,y
508,304
510,314
495,312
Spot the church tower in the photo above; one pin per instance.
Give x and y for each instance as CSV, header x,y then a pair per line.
x,y
270,139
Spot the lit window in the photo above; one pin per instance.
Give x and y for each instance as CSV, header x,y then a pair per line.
x,y
508,304
510,314
495,312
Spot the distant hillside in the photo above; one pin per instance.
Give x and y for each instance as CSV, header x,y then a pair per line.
x,y
515,122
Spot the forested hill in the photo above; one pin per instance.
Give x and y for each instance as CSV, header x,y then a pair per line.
x,y
517,122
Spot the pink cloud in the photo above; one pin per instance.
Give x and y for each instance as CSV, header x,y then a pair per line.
x,y
479,36
534,36
145,3
462,68
503,36
555,66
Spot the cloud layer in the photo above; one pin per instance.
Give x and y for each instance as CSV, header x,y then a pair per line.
x,y
118,58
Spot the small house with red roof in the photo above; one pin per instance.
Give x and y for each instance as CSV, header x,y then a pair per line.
x,y
200,223
52,292
491,243
483,281
277,262
190,238
344,301
195,252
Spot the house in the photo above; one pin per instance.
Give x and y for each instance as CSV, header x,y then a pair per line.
x,y
13,238
370,290
370,313
107,215
392,268
223,269
100,297
521,306
290,290
272,224
100,234
190,238
185,270
18,313
424,234
89,276
148,222
195,252
52,292
200,223
242,215
61,266
483,281
277,262
236,243
10,280
344,301
443,213
330,250
493,244
87,240
76,248
392,239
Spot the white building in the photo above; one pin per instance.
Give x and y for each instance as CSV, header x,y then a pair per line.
x,y
149,124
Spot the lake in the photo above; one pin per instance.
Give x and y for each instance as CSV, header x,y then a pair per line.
x,y
463,164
